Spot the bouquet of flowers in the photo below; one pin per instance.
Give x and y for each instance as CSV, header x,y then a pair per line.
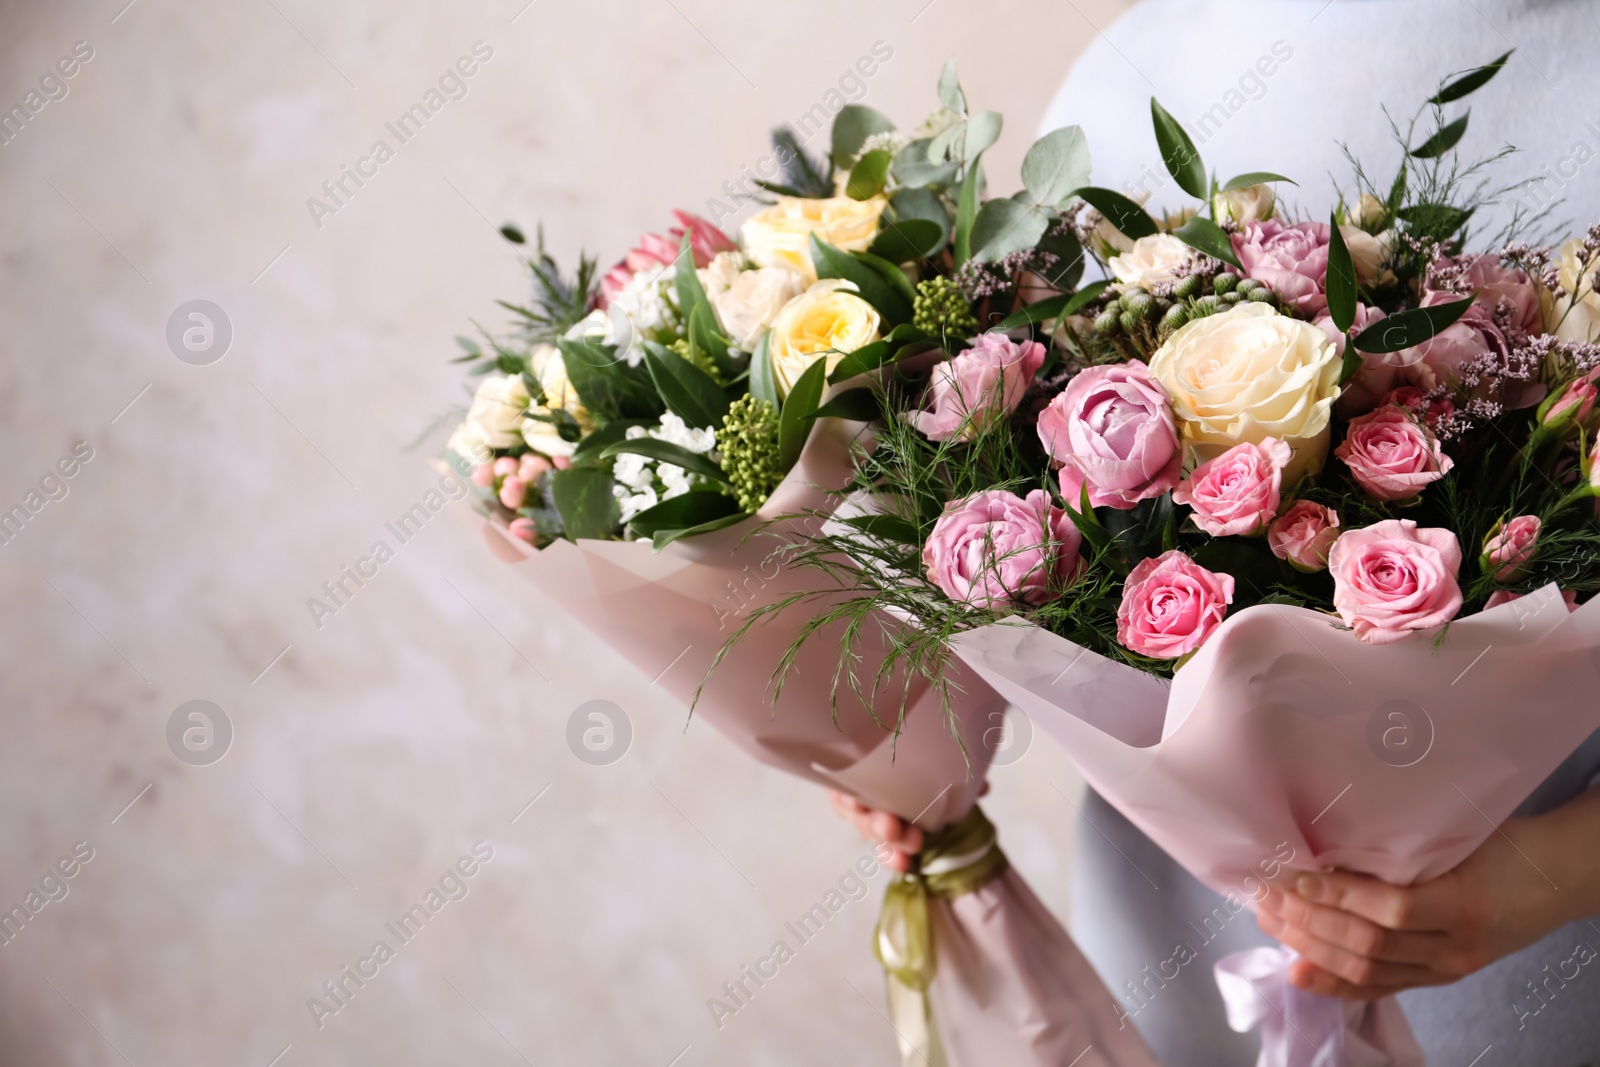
x,y
1313,470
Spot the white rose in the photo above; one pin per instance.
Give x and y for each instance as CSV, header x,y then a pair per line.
x,y
1253,203
1151,260
497,408
1576,316
1369,213
543,435
1370,253
751,303
1247,374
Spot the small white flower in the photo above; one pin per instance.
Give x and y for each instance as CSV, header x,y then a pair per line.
x,y
633,503
645,301
675,478
633,471
675,431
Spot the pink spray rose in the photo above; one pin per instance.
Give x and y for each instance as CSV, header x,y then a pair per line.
x,y
1113,429
1391,454
1291,258
1469,348
1499,286
986,380
1431,410
1573,406
995,547
1391,580
653,250
1506,596
1236,493
1304,534
1510,546
1170,604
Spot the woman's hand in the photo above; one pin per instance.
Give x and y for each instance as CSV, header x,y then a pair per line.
x,y
1362,938
903,839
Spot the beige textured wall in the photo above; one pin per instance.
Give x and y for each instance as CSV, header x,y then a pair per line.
x,y
426,714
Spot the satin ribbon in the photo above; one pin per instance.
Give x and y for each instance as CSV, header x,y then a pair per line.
x,y
1303,1029
957,859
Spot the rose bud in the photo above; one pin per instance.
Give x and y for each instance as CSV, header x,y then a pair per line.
x,y
1510,548
483,476
513,491
1569,408
505,465
521,529
533,467
1304,534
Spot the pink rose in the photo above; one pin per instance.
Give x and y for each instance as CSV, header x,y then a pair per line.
x,y
1469,348
1510,546
1391,454
996,547
1112,429
1431,410
1573,406
1378,371
1170,604
522,530
653,250
1502,287
986,380
1506,596
1391,580
1236,493
1291,258
1304,534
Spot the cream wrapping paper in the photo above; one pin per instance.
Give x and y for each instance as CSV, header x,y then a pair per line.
x,y
1286,732
1011,988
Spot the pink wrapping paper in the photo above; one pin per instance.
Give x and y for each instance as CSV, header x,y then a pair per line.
x,y
1285,733
1011,987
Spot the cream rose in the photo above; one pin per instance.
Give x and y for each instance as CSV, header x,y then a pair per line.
x,y
1580,320
542,435
781,235
1248,374
1370,253
1151,261
1369,213
828,320
497,408
1253,203
748,301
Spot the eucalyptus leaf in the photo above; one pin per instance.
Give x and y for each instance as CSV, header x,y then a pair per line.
x,y
793,423
950,94
1126,215
1341,281
983,130
1056,165
1202,234
1068,267
1255,177
1005,226
1444,139
584,498
851,128
666,452
915,167
1470,82
1178,152
1407,329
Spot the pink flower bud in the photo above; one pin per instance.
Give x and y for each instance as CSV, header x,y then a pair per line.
x,y
521,529
1510,547
533,467
561,463
513,491
504,465
483,476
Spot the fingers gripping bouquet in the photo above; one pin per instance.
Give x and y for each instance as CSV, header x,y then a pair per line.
x,y
635,430
1237,522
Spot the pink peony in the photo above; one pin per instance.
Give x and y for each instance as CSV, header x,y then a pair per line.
x,y
1391,580
996,547
1463,353
1113,429
1391,454
1504,287
1291,258
1170,604
653,250
1506,596
1510,547
1303,535
987,379
1236,493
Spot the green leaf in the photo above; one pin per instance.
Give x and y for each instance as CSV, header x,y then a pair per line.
x,y
868,176
1178,152
469,346
1350,363
851,128
1443,140
1055,307
1470,82
1255,177
511,233
667,452
1068,267
871,286
908,240
690,294
609,434
663,538
583,497
608,387
1126,215
983,130
967,211
891,528
1439,221
889,272
950,94
1341,281
1407,329
857,405
684,511
763,386
1004,226
1206,236
689,392
915,168
863,359
1397,191
793,426
705,340
1056,165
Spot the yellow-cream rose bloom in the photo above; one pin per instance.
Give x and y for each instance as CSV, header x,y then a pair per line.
x,y
1370,253
1247,374
827,321
498,406
1575,320
559,395
1151,261
781,235
1253,203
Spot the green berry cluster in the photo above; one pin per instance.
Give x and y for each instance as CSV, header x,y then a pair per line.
x,y
699,360
1137,314
748,441
940,309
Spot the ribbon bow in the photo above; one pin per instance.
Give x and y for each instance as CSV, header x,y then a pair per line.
x,y
958,859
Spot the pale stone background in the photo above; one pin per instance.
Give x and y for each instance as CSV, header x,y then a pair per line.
x,y
430,711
